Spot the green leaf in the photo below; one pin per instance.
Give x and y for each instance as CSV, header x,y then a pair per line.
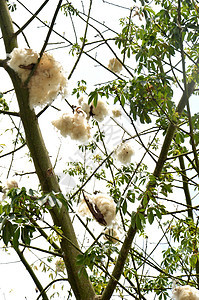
x,y
138,222
158,213
62,199
15,240
93,97
150,216
7,232
193,260
122,99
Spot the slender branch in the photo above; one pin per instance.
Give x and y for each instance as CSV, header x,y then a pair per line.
x,y
70,43
186,187
42,232
10,113
31,19
31,272
45,43
11,152
52,282
109,163
41,249
3,64
25,38
88,179
83,43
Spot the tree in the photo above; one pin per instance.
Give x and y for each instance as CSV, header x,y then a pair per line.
x,y
160,40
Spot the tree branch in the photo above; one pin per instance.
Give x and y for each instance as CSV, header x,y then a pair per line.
x,y
32,274
157,171
10,40
31,19
10,113
52,282
83,43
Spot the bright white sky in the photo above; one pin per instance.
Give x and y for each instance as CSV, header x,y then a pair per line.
x,y
16,283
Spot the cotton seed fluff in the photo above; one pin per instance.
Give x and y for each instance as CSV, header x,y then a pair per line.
x,y
114,65
9,185
99,113
47,81
186,292
74,125
124,153
116,113
105,205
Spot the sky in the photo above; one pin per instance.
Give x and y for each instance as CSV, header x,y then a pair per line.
x,y
16,283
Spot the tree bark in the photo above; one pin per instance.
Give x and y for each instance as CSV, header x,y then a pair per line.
x,y
81,286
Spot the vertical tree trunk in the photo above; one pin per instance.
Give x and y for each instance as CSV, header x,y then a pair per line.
x,y
81,286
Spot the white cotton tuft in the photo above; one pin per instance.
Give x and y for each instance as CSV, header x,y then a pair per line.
x,y
107,207
186,292
124,153
114,65
111,235
75,125
83,209
85,107
116,113
99,113
11,184
47,81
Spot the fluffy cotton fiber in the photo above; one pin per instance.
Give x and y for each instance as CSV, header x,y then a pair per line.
x,y
99,113
124,153
106,206
9,185
47,81
114,65
104,203
186,292
75,125
116,113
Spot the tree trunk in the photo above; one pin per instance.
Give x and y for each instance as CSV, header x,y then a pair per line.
x,y
81,286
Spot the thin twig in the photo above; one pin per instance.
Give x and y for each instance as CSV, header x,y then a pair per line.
x,y
83,43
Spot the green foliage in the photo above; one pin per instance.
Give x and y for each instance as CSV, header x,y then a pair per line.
x,y
18,212
81,88
3,104
68,8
